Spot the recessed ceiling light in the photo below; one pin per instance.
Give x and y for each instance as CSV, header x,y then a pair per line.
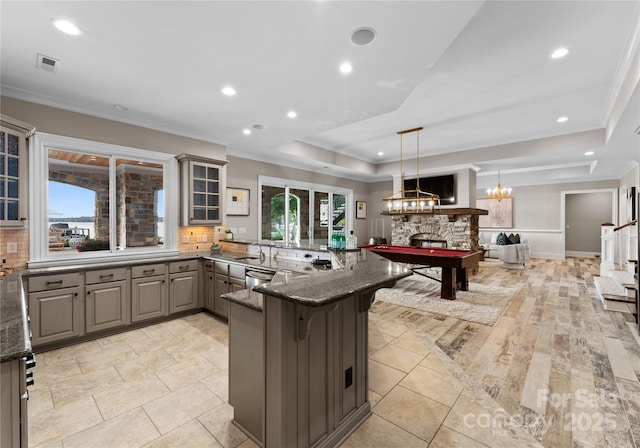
x,y
380,153
292,114
66,27
363,36
259,127
228,90
345,67
246,131
559,53
589,153
562,119
120,107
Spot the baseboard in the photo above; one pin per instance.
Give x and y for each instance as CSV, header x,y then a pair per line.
x,y
576,253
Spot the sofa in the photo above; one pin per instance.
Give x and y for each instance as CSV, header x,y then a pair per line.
x,y
513,254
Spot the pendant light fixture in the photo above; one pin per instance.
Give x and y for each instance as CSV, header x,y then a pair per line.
x,y
411,201
499,192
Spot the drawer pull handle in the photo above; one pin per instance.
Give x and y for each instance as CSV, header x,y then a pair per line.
x,y
183,268
57,282
148,271
105,276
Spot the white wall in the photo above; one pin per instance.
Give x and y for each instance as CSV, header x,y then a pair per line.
x,y
537,215
243,173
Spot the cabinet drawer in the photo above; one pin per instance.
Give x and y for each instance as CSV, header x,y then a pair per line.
x,y
221,268
105,275
236,271
183,266
208,265
148,270
48,282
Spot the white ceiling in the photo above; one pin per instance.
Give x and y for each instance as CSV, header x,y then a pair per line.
x,y
476,75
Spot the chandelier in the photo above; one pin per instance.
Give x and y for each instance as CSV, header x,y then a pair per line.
x,y
499,192
411,201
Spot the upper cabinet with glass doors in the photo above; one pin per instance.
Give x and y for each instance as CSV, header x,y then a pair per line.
x,y
13,171
203,188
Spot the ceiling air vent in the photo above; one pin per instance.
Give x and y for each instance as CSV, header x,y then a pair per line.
x,y
47,64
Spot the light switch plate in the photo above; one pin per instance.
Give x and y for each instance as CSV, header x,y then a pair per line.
x,y
185,239
12,247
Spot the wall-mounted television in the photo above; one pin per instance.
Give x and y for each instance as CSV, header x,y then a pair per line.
x,y
443,186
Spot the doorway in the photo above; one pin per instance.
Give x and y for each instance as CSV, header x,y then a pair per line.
x,y
583,213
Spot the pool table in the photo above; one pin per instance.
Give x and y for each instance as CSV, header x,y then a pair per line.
x,y
454,263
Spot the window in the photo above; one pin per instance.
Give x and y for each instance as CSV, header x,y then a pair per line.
x,y
100,200
302,213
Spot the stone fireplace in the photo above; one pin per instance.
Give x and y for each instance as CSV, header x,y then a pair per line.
x,y
453,228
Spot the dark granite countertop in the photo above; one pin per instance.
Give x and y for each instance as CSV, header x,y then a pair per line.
x,y
356,271
14,338
246,297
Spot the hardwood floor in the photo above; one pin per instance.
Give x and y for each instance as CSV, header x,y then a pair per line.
x,y
563,367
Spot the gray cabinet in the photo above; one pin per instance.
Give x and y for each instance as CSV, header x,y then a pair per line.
x,y
55,308
106,301
183,286
203,190
148,292
227,278
209,286
13,406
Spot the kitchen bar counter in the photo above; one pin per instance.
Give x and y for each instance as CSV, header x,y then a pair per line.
x,y
310,329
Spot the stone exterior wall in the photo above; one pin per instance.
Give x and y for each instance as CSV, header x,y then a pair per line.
x,y
137,219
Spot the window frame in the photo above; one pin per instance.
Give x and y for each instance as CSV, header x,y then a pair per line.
x,y
39,146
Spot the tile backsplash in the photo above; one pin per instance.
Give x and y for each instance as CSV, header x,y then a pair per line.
x,y
190,239
14,246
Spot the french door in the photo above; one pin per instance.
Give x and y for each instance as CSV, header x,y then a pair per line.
x,y
302,213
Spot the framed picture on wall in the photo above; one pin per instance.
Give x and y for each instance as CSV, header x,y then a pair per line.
x,y
500,213
237,202
361,209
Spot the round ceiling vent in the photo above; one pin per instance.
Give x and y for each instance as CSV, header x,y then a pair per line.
x,y
363,36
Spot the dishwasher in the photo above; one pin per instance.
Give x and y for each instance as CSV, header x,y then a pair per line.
x,y
254,277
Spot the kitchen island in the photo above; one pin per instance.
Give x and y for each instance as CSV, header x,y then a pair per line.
x,y
298,352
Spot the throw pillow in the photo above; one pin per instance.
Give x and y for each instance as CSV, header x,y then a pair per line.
x,y
514,239
501,239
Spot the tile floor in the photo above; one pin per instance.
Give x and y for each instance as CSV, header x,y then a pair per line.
x,y
166,386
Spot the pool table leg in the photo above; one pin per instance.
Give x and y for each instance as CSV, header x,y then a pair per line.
x,y
462,281
448,285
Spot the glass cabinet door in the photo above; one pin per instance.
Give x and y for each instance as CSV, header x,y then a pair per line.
x,y
205,193
12,150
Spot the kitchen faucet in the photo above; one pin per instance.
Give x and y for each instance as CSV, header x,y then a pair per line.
x,y
260,253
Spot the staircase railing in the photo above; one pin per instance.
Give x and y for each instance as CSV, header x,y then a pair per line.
x,y
625,246
630,223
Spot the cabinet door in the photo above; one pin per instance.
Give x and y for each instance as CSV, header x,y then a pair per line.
x,y
209,291
221,306
183,291
55,315
148,298
106,305
13,178
203,188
